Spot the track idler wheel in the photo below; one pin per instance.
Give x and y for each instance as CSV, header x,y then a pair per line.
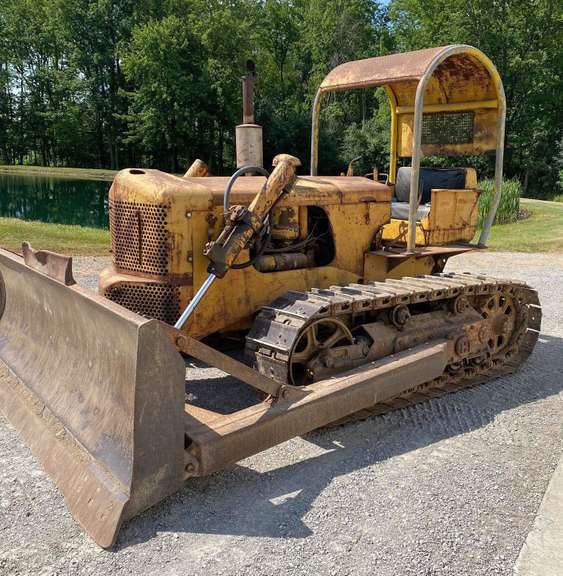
x,y
322,334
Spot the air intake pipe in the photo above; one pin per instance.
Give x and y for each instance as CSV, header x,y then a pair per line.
x,y
248,134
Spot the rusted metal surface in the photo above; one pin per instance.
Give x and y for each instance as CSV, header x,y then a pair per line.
x,y
99,396
452,218
242,227
481,141
198,169
139,236
397,379
285,224
248,98
213,357
506,360
100,391
379,70
285,261
460,80
150,296
201,194
232,438
149,299
54,265
463,80
423,251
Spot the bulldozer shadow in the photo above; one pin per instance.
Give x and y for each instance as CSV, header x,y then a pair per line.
x,y
259,499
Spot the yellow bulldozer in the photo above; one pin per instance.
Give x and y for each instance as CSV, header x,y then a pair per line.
x,y
336,284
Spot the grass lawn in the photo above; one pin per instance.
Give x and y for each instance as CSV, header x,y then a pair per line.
x,y
79,173
70,240
541,232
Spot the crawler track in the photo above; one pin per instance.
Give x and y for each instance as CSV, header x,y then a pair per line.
x,y
277,329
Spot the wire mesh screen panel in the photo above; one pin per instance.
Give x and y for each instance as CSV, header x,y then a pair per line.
x,y
448,127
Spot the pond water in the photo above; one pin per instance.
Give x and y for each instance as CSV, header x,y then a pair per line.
x,y
54,199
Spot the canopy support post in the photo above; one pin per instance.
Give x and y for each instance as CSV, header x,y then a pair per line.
x,y
499,159
393,136
415,162
417,136
315,128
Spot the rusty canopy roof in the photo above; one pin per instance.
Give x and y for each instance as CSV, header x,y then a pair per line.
x,y
381,70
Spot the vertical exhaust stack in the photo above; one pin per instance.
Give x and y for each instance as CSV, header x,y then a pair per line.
x,y
249,134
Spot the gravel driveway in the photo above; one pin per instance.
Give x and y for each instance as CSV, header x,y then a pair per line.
x,y
448,487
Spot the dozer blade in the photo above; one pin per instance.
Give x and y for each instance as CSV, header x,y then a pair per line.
x,y
98,394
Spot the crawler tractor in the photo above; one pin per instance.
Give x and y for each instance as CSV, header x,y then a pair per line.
x,y
336,284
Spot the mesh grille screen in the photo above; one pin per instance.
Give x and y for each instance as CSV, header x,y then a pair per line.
x,y
139,236
159,301
448,128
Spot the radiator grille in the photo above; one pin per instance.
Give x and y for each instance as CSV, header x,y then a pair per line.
x,y
159,301
448,128
139,236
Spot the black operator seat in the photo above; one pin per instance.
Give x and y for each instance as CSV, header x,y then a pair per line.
x,y
451,178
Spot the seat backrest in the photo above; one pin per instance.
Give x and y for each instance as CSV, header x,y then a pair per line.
x,y
451,178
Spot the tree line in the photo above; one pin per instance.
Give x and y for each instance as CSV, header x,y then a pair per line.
x,y
115,83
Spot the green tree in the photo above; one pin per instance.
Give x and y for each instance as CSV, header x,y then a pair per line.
x,y
163,61
97,32
305,39
119,82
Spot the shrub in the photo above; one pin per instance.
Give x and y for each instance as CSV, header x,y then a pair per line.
x,y
509,206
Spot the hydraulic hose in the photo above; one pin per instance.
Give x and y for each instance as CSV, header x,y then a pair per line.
x,y
227,204
233,179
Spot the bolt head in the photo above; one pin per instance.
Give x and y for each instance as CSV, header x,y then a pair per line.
x,y
462,346
461,304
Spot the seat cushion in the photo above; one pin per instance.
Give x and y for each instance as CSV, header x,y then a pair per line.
x,y
451,178
400,211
